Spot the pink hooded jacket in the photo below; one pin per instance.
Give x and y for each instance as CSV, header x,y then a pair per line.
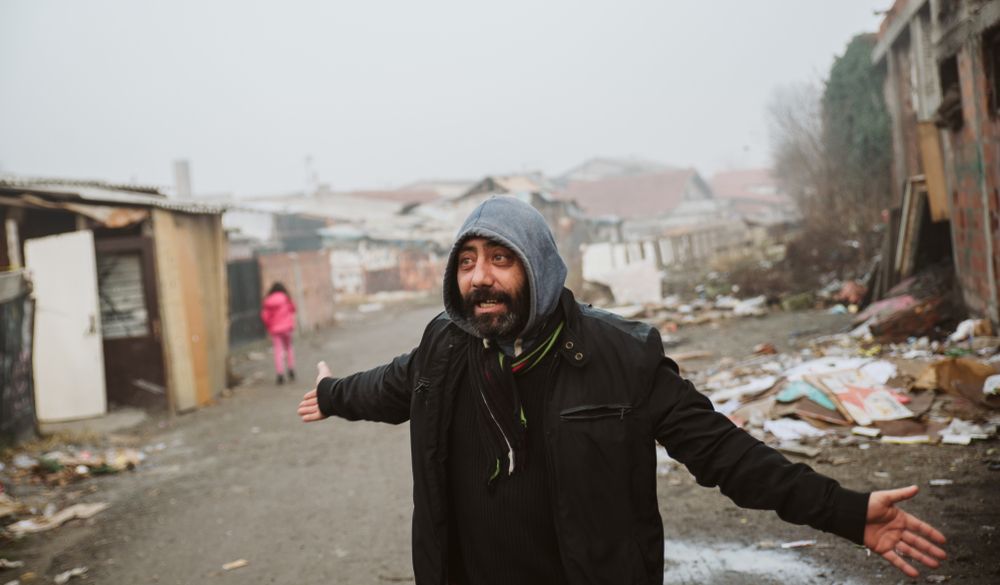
x,y
278,314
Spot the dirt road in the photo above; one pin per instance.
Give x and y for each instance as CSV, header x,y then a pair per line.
x,y
329,502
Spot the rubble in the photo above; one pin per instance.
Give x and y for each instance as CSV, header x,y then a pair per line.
x,y
846,387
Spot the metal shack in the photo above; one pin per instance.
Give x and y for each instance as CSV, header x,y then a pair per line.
x,y
130,295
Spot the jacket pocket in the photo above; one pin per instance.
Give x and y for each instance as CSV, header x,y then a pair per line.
x,y
595,412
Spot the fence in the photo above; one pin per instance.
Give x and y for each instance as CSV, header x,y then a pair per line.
x,y
245,325
17,390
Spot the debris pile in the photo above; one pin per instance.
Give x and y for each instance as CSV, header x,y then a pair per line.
x,y
61,468
844,390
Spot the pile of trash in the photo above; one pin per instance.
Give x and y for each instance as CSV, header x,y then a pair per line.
x,y
842,391
35,474
61,468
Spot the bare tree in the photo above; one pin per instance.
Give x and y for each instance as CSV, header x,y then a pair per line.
x,y
795,124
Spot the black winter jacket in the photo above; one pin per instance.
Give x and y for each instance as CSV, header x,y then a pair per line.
x,y
611,393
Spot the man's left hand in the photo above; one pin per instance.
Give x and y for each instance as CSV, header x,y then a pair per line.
x,y
892,532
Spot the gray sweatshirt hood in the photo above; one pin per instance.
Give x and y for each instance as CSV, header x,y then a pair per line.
x,y
520,227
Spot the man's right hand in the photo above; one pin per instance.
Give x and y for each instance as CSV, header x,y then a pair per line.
x,y
309,407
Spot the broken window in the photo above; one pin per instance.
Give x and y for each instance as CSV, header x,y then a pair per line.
x,y
949,113
991,66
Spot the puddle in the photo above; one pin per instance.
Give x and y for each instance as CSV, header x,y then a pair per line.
x,y
738,564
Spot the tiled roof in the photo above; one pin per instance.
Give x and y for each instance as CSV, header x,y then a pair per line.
x,y
631,196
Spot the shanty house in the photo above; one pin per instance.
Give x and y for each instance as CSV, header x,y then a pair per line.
x,y
130,291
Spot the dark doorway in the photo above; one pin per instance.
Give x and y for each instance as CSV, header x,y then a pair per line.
x,y
130,323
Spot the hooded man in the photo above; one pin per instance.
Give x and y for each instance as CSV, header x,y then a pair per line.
x,y
533,422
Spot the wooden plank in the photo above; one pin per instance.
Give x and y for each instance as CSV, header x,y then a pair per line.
x,y
212,275
194,307
176,357
937,188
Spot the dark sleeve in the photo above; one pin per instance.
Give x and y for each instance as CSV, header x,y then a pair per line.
x,y
746,470
381,394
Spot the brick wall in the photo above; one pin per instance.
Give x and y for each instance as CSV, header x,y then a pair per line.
x,y
306,276
969,164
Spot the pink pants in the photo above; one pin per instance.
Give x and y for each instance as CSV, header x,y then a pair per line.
x,y
282,343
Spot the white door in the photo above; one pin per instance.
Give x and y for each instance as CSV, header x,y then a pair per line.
x,y
69,352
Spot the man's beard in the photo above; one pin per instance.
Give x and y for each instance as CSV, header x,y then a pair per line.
x,y
503,325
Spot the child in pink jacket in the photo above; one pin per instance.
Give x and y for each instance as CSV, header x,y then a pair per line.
x,y
278,316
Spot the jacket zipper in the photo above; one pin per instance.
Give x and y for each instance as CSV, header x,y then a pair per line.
x,y
420,389
594,412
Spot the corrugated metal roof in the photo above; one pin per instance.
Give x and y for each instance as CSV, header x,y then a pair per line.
x,y
106,193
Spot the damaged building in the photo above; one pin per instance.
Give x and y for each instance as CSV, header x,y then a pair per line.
x,y
942,64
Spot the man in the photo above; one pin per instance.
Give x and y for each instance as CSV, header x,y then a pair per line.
x,y
532,426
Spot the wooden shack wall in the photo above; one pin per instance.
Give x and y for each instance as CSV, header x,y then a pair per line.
x,y
190,252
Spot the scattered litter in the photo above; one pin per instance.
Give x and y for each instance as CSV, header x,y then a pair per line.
x,y
23,461
8,506
880,474
938,578
5,564
235,565
755,307
961,432
963,332
797,448
941,482
915,439
765,349
881,371
798,544
64,577
58,519
799,389
866,431
765,544
991,385
752,387
788,429
864,446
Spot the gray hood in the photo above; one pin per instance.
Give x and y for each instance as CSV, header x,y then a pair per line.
x,y
518,226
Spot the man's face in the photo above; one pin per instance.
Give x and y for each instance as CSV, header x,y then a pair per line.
x,y
493,286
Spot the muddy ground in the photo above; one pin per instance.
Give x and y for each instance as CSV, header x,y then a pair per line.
x,y
329,502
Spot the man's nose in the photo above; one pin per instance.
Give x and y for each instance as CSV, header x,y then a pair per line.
x,y
482,275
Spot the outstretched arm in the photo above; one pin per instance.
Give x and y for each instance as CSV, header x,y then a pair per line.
x,y
309,407
892,532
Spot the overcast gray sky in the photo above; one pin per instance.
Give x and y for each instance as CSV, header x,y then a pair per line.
x,y
382,93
